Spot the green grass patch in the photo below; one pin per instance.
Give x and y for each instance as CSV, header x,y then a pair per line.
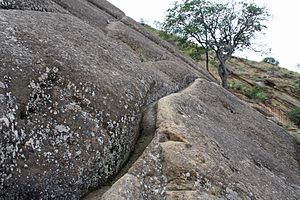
x,y
257,94
294,115
187,47
238,85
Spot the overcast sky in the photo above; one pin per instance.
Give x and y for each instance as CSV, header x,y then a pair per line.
x,y
282,36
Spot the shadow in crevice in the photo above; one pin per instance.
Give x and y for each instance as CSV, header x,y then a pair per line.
x,y
146,135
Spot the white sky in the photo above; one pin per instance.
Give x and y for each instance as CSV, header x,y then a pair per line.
x,y
282,35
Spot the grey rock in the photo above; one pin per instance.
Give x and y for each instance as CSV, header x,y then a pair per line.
x,y
35,5
72,96
210,145
81,87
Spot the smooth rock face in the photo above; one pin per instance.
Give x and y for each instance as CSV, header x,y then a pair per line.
x,y
72,92
78,81
209,145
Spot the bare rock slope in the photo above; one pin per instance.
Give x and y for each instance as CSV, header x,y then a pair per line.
x,y
79,84
210,145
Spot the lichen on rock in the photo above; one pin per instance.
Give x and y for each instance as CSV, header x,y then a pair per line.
x,y
72,97
77,79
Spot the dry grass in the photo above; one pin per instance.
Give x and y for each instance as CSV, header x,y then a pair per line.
x,y
281,86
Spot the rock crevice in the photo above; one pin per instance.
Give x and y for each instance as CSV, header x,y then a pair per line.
x,y
197,159
79,84
81,123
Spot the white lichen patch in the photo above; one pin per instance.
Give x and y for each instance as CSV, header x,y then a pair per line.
x,y
2,85
5,120
151,176
2,98
10,139
62,128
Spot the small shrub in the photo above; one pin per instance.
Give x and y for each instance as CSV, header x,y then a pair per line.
x,y
189,48
294,115
231,84
214,63
271,60
274,69
297,86
237,85
194,51
257,93
292,73
287,74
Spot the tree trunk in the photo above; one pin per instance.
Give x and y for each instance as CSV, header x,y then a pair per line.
x,y
206,60
223,73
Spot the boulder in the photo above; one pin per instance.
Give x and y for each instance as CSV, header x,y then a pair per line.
x,y
210,145
89,99
72,96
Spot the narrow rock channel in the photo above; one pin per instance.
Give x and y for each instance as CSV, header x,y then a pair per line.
x,y
147,132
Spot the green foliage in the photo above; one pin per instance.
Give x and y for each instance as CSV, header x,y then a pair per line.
x,y
288,74
271,60
194,51
257,93
214,63
221,27
297,83
297,86
187,47
238,85
294,115
274,69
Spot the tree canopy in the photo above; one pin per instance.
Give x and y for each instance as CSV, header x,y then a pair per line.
x,y
221,27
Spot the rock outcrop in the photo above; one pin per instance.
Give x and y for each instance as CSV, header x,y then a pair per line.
x,y
80,82
210,145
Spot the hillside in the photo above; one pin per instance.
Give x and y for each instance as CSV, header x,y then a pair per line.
x,y
272,90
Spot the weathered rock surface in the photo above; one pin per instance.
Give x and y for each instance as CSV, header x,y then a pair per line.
x,y
72,92
78,86
210,145
36,5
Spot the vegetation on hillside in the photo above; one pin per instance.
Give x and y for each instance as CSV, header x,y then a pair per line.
x,y
222,27
271,61
294,115
186,47
271,89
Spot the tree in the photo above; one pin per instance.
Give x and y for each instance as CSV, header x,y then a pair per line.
x,y
221,27
271,61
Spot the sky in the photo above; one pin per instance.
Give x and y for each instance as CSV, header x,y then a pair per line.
x,y
282,35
